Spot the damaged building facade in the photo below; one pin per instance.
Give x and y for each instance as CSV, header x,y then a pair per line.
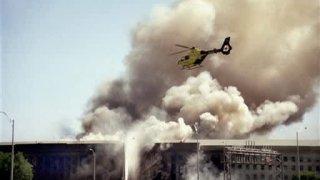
x,y
74,160
250,160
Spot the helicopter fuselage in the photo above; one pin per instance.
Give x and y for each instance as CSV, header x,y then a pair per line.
x,y
195,57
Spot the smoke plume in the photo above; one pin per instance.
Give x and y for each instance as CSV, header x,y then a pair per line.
x,y
266,64
223,112
269,78
145,134
104,163
207,170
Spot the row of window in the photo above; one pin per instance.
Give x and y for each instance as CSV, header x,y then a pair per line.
x,y
256,176
302,159
285,167
302,168
254,166
263,176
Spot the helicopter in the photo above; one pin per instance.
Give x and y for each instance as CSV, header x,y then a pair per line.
x,y
196,56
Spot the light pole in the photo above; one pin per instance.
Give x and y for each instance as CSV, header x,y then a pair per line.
x,y
298,153
196,129
94,163
12,143
124,161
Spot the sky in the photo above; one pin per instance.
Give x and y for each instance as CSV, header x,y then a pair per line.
x,y
55,54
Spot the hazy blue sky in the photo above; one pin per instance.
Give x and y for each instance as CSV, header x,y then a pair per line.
x,y
56,53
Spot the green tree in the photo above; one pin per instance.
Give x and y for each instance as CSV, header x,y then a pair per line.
x,y
22,168
306,176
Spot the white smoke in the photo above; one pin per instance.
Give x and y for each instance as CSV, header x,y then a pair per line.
x,y
222,111
273,113
205,169
107,121
144,134
139,137
118,136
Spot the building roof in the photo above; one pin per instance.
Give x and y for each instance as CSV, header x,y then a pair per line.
x,y
203,142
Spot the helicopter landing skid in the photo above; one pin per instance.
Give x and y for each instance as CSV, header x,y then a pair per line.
x,y
191,67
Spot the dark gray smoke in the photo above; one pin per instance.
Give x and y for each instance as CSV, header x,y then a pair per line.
x,y
108,163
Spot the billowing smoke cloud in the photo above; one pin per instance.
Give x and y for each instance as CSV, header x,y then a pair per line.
x,y
138,136
275,54
145,134
269,78
223,112
150,71
106,122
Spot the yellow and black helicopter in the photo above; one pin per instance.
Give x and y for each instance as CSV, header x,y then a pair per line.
x,y
196,56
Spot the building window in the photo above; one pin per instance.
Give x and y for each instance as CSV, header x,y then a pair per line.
x,y
262,167
309,168
293,168
301,159
270,167
247,166
318,168
254,166
247,176
285,167
262,176
285,158
309,160
255,176
286,177
270,177
293,159
301,168
239,166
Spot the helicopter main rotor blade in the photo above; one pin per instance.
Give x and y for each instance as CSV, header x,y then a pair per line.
x,y
179,52
183,46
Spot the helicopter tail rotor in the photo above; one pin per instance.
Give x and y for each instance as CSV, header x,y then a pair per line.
x,y
226,47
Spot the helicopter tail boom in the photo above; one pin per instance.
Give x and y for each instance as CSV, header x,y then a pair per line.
x,y
225,48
